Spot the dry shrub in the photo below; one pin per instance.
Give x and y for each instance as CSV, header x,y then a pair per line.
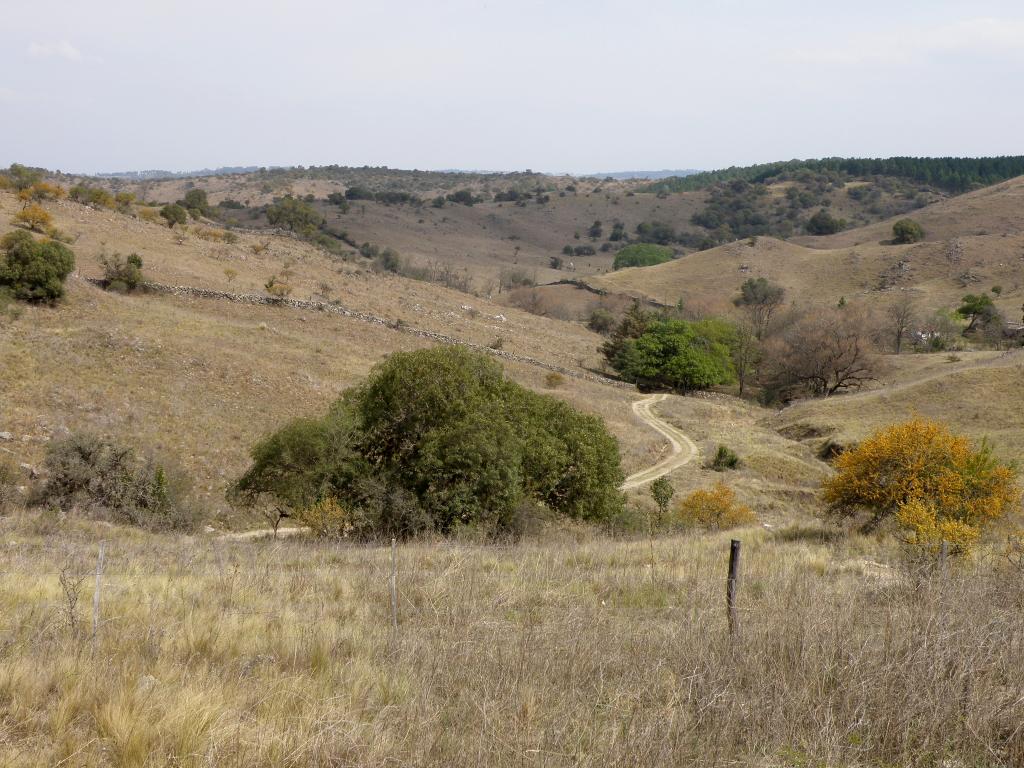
x,y
212,235
554,380
34,217
714,508
152,215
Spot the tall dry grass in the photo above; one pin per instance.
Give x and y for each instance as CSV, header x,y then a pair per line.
x,y
585,651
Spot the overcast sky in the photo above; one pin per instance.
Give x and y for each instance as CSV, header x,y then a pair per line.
x,y
578,85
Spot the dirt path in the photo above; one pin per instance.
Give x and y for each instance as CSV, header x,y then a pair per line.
x,y
682,447
681,451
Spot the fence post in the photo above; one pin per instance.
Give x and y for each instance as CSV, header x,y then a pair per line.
x,y
732,586
943,555
394,588
96,595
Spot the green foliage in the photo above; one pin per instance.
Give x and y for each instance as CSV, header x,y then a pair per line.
x,y
953,174
34,270
725,458
760,298
22,177
122,273
642,255
678,354
92,196
907,231
463,197
655,232
662,493
450,460
978,309
196,203
824,223
297,215
111,482
174,214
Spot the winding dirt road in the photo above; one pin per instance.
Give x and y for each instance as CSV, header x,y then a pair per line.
x,y
682,447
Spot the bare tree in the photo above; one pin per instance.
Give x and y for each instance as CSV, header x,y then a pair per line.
x,y
746,353
902,315
823,352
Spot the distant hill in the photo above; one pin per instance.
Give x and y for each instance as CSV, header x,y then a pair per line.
x,y
158,174
627,175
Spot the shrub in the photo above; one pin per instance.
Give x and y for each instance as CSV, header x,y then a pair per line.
x,y
601,321
34,216
327,519
40,191
196,203
554,380
662,493
642,255
34,270
122,273
655,232
715,508
174,214
277,287
931,482
725,458
402,455
152,215
907,231
91,196
823,223
109,481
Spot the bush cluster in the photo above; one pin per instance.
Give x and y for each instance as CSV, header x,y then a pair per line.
x,y
34,270
105,480
436,440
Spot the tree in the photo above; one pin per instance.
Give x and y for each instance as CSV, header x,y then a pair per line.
x,y
595,231
23,177
34,270
678,354
977,309
746,354
34,216
715,508
823,223
196,203
821,352
655,232
297,215
930,481
902,315
174,214
760,298
907,231
401,454
662,493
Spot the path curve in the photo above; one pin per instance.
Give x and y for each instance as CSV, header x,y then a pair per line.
x,y
683,449
682,452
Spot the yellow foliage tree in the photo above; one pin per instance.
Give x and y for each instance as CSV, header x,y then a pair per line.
x,y
932,482
714,507
42,190
34,217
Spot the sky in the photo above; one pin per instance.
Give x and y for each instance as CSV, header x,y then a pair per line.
x,y
575,86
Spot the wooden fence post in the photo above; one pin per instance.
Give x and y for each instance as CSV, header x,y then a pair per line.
x,y
731,587
943,558
96,595
394,588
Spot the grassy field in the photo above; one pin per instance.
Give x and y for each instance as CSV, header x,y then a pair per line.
x,y
577,651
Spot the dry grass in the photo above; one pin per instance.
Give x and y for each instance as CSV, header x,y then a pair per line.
x,y
979,397
580,651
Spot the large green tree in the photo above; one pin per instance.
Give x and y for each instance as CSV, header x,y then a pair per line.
x,y
679,354
435,439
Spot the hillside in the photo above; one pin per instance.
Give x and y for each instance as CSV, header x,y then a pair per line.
x,y
972,242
